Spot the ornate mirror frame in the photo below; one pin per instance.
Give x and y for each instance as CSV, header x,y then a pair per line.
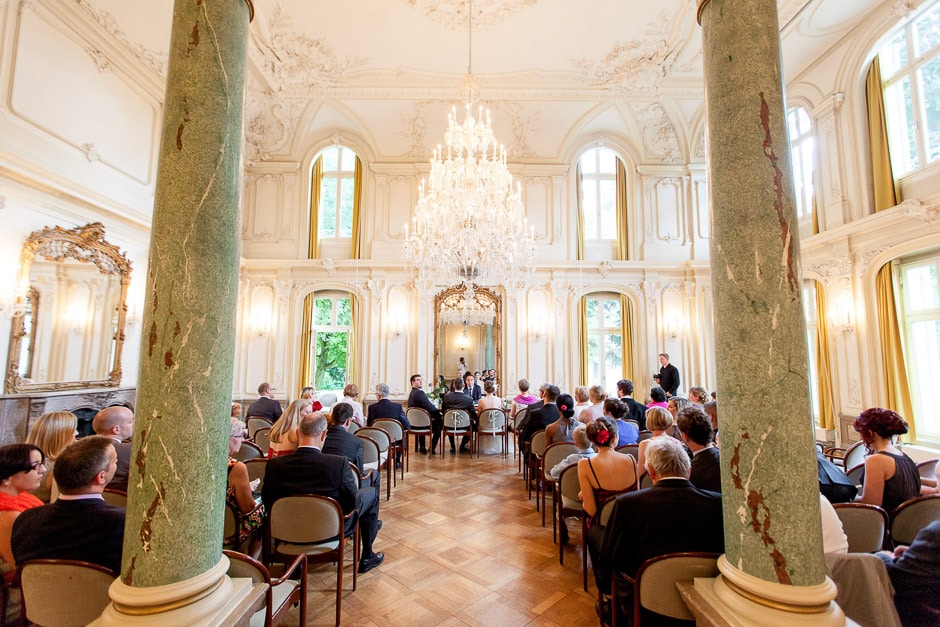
x,y
481,293
85,244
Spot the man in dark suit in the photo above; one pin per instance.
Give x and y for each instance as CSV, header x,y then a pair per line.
x,y
79,525
696,429
417,398
339,441
635,409
457,400
543,416
668,375
310,471
471,388
654,522
117,423
914,572
384,408
266,406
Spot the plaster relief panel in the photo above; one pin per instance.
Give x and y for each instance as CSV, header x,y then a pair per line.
x,y
701,214
402,197
664,201
80,99
264,198
537,198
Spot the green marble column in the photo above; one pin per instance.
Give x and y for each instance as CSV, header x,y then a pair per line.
x,y
769,482
178,465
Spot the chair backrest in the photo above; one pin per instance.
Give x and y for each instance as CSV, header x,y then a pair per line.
x,y
657,577
629,449
370,450
646,434
456,419
353,427
305,519
492,420
928,469
256,469
912,515
520,416
263,438
570,484
229,526
392,427
419,418
327,399
646,481
249,450
864,526
855,474
555,453
255,423
854,455
537,443
380,436
64,593
115,497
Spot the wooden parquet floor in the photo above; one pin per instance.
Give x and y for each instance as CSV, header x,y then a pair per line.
x,y
462,546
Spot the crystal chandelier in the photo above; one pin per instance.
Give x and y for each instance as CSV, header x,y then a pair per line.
x,y
469,225
467,310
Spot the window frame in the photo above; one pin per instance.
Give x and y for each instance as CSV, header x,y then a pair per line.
x,y
598,177
341,178
804,189
602,332
333,327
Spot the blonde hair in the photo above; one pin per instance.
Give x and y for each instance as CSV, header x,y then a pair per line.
x,y
581,394
658,419
52,432
290,419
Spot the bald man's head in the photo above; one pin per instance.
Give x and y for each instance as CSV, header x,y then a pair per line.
x,y
115,422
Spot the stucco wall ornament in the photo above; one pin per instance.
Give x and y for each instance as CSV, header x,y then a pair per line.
x,y
916,209
659,135
903,8
330,266
413,128
156,61
292,61
524,125
453,13
271,123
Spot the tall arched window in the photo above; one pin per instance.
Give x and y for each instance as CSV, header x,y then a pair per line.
x,y
920,299
336,190
327,349
606,342
602,201
802,154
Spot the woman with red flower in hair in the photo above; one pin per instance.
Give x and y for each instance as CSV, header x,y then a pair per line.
x,y
609,473
890,477
561,429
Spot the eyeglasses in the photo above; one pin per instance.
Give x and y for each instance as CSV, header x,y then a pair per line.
x,y
34,466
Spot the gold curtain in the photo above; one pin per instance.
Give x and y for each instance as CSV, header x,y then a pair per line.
x,y
626,337
886,193
579,191
621,209
815,217
306,341
897,388
583,341
313,251
357,205
352,353
823,371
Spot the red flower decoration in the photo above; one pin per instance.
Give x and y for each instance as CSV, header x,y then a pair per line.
x,y
563,407
603,436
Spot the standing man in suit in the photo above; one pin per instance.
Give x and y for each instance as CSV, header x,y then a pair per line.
x,y
654,522
635,409
457,400
339,441
417,398
266,406
117,423
696,429
79,525
471,388
310,471
668,375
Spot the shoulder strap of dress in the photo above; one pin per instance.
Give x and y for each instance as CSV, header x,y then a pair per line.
x,y
596,480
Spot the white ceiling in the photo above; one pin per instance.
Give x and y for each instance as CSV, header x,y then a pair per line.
x,y
386,71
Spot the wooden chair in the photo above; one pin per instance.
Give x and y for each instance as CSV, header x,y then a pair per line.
x,y
553,454
230,526
645,481
646,434
456,424
855,474
420,421
928,472
314,526
847,457
327,399
64,593
365,477
263,439
569,487
654,587
493,422
536,448
255,423
632,450
249,450
113,496
518,418
912,515
865,526
282,593
370,459
256,469
398,437
386,460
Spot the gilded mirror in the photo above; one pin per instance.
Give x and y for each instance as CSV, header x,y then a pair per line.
x,y
466,324
71,329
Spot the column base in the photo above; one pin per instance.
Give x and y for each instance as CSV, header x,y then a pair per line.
x,y
744,600
209,599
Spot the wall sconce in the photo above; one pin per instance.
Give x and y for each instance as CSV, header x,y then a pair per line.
x,y
841,316
262,310
75,318
396,327
463,342
672,327
135,304
537,328
13,299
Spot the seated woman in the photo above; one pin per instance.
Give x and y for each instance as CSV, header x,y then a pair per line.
x,y
675,404
890,477
698,395
659,421
52,432
351,396
561,430
585,451
284,432
22,467
581,400
608,474
489,400
628,433
657,398
309,394
597,396
238,495
523,399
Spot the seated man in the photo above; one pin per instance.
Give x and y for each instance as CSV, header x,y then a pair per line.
x,y
266,406
385,408
635,409
339,441
914,572
456,400
310,471
417,398
696,430
654,522
79,525
117,423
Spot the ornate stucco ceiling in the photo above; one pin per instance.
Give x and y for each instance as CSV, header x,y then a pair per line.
x,y
386,71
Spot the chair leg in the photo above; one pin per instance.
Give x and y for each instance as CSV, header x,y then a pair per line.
x,y
339,583
555,512
404,461
357,554
584,551
544,490
388,480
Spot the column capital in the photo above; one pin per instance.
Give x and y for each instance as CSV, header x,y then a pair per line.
x,y
698,12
